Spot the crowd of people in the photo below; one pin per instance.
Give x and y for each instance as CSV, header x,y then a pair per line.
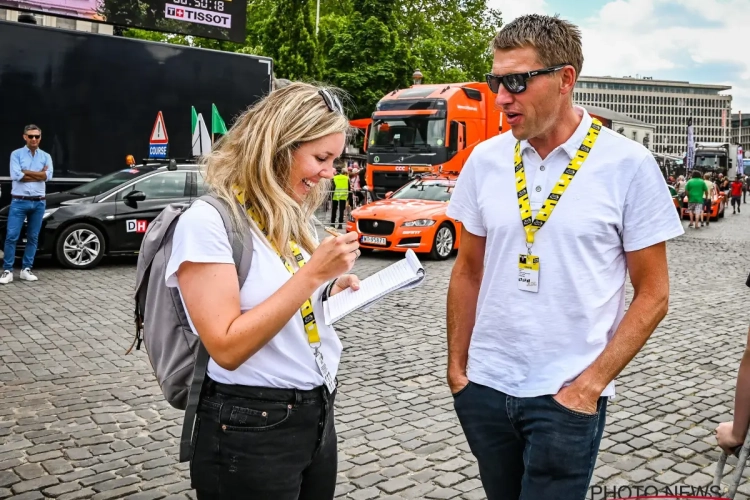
x,y
702,189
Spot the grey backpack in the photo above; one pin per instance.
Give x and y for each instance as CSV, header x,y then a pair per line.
x,y
177,355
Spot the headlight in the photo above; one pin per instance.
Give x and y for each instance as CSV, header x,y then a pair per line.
x,y
49,212
419,223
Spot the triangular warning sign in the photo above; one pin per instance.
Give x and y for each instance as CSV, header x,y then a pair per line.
x,y
159,133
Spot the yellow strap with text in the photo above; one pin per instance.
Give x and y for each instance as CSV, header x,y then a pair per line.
x,y
308,315
532,226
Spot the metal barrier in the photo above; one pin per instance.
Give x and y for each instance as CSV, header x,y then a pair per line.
x,y
353,200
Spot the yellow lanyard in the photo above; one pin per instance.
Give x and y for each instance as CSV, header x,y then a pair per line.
x,y
308,315
532,226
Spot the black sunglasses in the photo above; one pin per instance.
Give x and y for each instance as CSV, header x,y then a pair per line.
x,y
332,101
33,136
516,83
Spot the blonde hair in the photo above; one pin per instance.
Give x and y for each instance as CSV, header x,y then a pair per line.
x,y
256,156
556,41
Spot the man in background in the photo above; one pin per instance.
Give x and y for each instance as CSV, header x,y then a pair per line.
x,y
30,169
708,199
340,194
695,188
736,189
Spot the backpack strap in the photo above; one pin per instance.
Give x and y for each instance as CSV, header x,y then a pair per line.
x,y
242,254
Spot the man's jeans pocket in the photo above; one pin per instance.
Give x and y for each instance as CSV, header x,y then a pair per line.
x,y
457,394
574,413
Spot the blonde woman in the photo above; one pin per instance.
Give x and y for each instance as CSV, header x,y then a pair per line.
x,y
265,423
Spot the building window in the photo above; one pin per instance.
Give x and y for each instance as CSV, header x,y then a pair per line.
x,y
3,14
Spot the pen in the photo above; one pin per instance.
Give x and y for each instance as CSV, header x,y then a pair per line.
x,y
332,232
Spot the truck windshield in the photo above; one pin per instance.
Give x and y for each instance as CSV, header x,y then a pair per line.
x,y
425,190
419,131
107,182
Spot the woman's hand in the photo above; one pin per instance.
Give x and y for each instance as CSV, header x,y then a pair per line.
x,y
334,257
344,282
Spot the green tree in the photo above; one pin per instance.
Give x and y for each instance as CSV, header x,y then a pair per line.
x,y
366,55
289,38
450,38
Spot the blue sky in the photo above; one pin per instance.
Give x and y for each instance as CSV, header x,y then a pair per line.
x,y
701,41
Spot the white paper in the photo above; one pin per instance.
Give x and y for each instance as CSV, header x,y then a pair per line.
x,y
405,274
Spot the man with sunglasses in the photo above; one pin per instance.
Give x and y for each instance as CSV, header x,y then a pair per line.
x,y
30,169
554,214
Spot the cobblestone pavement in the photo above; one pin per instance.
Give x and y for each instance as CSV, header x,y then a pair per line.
x,y
78,419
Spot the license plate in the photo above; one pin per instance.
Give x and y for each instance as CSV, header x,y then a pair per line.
x,y
373,240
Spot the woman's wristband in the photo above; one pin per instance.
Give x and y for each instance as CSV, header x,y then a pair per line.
x,y
327,291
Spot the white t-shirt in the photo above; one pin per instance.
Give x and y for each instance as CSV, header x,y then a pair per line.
x,y
287,361
530,344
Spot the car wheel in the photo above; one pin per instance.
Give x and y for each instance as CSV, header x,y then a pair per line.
x,y
445,241
80,246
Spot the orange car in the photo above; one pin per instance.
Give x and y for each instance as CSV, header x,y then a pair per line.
x,y
718,206
412,217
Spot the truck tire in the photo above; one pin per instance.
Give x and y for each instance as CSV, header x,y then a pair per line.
x,y
80,246
445,242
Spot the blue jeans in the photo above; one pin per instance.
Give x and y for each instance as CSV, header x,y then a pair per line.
x,y
529,448
32,212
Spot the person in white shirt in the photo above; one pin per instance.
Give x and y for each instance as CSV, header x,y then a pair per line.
x,y
554,215
264,427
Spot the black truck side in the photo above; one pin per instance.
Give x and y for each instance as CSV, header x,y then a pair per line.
x,y
96,97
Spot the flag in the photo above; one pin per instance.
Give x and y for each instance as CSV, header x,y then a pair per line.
x,y
690,149
193,119
201,139
217,124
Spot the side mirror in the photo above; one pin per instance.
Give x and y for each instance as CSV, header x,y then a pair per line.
x,y
135,196
388,194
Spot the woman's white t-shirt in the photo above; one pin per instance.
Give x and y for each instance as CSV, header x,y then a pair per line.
x,y
287,361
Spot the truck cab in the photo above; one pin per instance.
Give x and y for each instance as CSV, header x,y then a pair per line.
x,y
717,158
427,128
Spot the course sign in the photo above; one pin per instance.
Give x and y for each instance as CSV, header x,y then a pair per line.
x,y
159,141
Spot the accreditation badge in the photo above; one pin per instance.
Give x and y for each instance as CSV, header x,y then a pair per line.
x,y
330,383
528,273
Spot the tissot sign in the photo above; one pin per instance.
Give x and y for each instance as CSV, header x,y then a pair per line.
x,y
222,19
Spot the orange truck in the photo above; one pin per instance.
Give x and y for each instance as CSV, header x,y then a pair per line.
x,y
427,129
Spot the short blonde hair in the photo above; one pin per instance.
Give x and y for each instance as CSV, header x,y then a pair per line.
x,y
707,176
556,41
257,154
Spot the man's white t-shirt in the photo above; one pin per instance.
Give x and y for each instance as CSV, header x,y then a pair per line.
x,y
529,344
287,361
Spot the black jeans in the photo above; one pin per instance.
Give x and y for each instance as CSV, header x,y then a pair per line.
x,y
264,444
339,205
529,448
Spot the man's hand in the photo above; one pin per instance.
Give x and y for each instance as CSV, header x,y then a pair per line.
x,y
344,282
726,438
572,398
457,380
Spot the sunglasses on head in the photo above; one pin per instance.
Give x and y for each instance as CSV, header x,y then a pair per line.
x,y
515,83
332,101
30,136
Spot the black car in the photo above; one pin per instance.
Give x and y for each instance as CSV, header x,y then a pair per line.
x,y
108,216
